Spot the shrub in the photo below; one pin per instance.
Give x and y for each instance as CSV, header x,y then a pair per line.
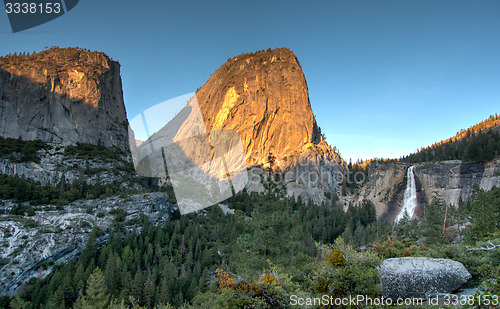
x,y
343,271
30,223
119,213
18,150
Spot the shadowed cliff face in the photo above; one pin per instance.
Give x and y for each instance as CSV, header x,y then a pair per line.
x,y
454,180
63,96
263,96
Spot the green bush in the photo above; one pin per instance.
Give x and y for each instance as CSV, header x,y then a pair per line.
x,y
18,150
343,271
119,213
91,151
30,223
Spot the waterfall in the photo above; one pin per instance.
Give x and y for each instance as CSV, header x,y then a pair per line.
x,y
410,196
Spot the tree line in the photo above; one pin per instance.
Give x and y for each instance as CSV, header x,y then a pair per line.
x,y
479,143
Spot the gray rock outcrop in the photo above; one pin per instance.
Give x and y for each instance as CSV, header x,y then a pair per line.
x,y
385,188
54,165
454,180
415,277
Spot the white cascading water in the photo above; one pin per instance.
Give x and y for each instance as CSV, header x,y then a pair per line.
x,y
410,196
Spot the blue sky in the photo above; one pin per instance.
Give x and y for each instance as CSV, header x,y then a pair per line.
x,y
385,77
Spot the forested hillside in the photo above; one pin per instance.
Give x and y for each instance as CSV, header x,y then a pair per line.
x,y
478,143
271,248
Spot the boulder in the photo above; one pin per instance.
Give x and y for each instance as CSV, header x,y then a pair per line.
x,y
413,277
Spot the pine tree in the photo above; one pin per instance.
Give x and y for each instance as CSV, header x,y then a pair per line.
x,y
111,275
79,276
432,224
57,300
148,293
192,289
96,293
138,285
485,213
19,303
90,248
359,236
68,290
164,294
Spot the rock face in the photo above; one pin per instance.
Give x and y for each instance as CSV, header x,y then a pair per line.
x,y
54,166
313,175
415,277
263,96
450,181
59,235
385,188
453,181
63,96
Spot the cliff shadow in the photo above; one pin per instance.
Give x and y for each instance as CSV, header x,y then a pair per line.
x,y
395,204
421,200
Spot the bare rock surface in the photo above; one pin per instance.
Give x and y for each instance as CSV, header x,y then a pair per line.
x,y
264,97
416,276
56,236
454,180
54,166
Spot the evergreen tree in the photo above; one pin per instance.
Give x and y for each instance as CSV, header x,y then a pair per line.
x,y
90,248
19,303
95,294
485,212
433,222
148,293
57,300
138,286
